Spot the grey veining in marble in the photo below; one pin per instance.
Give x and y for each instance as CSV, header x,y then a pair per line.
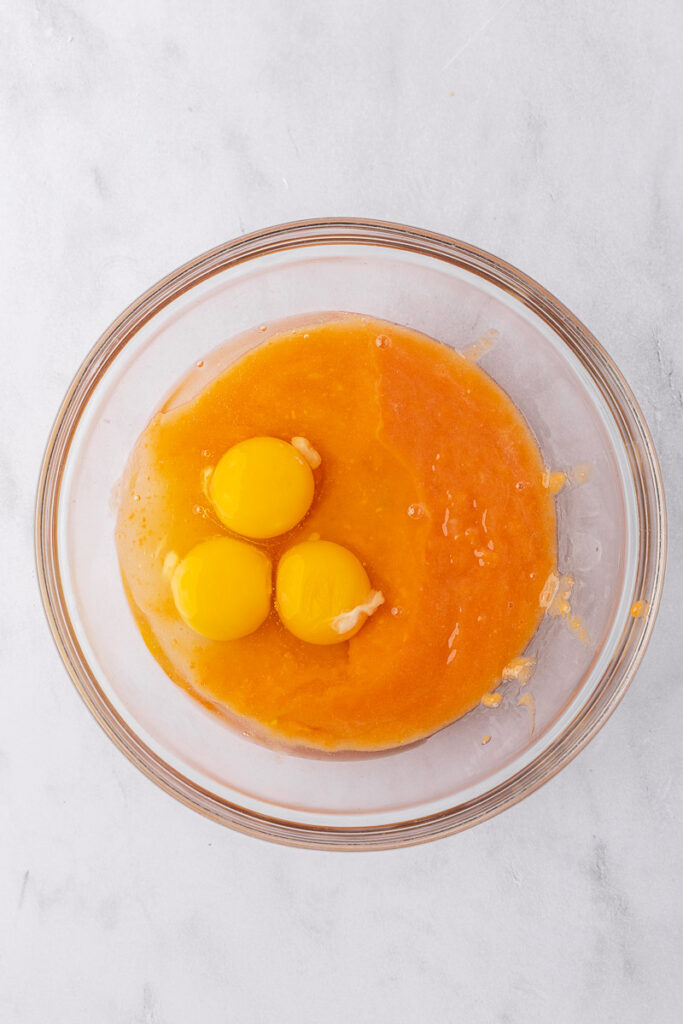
x,y
135,135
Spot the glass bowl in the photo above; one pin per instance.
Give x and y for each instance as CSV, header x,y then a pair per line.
x,y
611,532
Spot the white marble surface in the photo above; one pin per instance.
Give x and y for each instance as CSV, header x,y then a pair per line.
x,y
135,135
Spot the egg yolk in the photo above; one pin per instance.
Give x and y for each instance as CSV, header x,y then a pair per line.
x,y
222,588
261,487
323,592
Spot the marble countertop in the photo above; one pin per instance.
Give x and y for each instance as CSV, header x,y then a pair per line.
x,y
136,135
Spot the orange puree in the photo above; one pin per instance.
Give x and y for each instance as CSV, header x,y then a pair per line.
x,y
428,474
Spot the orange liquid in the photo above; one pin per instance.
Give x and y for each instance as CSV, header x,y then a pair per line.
x,y
429,474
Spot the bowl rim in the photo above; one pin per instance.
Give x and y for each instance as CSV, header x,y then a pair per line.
x,y
605,375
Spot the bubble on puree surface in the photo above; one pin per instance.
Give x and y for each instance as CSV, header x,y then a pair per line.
x,y
402,425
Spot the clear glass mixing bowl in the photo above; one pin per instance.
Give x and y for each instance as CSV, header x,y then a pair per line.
x,y
611,532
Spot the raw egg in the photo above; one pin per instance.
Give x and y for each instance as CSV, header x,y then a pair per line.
x,y
222,588
323,592
261,487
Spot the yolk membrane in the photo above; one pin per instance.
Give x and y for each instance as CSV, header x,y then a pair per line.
x,y
261,487
222,588
323,592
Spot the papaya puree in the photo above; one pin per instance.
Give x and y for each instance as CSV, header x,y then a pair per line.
x,y
428,474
